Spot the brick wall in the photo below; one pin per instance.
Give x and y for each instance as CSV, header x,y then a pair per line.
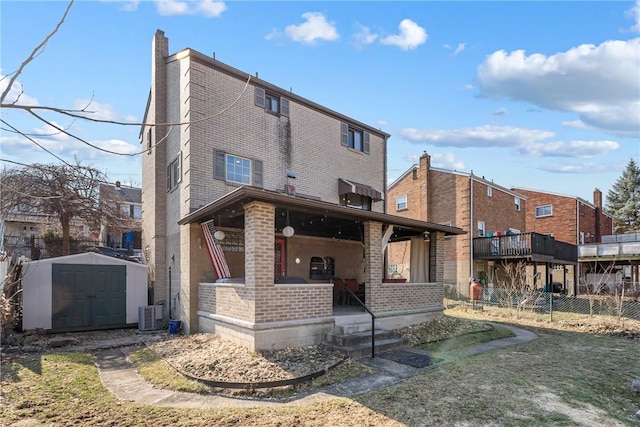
x,y
153,173
563,221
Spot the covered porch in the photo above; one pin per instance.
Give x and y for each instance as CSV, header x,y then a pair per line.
x,y
283,252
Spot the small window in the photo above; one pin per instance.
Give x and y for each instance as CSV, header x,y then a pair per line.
x,y
545,210
582,237
271,102
516,201
174,172
481,229
489,191
357,201
415,173
401,202
354,138
149,141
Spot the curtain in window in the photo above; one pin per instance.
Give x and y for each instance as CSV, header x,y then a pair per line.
x,y
419,260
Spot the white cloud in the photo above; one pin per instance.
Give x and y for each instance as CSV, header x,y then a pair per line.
x,y
446,160
211,8
124,5
523,142
411,36
364,36
586,168
569,149
96,110
460,48
314,28
208,8
634,13
481,136
49,131
598,83
16,94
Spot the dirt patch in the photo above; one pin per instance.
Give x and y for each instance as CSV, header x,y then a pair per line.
x,y
207,356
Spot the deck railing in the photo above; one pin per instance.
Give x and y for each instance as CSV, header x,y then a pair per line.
x,y
523,245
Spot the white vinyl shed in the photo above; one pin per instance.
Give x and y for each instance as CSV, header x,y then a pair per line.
x,y
82,292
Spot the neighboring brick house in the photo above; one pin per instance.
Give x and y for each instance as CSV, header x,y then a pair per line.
x,y
298,190
495,216
567,218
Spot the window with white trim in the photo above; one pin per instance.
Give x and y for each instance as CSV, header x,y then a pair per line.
x,y
481,229
489,191
174,172
516,201
401,202
236,169
544,210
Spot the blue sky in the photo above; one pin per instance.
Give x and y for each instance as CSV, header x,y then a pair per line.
x,y
541,95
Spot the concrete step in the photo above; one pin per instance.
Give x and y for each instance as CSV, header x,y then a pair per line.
x,y
355,338
364,348
352,328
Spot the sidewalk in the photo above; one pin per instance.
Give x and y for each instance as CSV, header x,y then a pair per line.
x,y
121,378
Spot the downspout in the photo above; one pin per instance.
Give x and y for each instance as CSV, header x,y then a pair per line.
x,y
471,228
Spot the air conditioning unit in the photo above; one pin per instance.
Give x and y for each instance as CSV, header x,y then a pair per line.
x,y
150,318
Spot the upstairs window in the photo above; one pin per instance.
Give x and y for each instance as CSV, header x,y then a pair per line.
x,y
489,191
236,169
354,138
271,102
544,210
401,202
174,172
481,229
516,201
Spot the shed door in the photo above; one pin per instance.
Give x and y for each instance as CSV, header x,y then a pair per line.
x,y
88,296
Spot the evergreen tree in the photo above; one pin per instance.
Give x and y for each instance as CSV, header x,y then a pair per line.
x,y
623,200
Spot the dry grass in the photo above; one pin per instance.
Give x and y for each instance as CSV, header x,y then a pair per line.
x,y
565,377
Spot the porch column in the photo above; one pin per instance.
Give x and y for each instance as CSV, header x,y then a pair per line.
x,y
373,264
259,226
436,257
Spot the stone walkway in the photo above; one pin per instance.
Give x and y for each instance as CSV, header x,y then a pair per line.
x,y
121,378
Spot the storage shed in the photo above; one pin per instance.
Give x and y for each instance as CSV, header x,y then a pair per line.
x,y
82,292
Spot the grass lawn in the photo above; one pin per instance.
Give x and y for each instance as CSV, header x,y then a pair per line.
x,y
562,378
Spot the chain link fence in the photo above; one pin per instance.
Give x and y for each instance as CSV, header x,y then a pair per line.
x,y
553,306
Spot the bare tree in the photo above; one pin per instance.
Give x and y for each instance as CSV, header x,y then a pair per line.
x,y
61,191
512,289
596,284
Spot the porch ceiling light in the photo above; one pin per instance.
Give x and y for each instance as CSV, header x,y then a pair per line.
x,y
288,231
219,235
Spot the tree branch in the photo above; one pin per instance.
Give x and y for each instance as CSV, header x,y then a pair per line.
x,y
34,53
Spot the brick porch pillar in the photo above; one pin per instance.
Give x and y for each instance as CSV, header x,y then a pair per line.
x,y
259,225
373,263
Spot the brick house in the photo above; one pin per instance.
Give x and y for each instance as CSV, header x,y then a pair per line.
x,y
495,215
290,191
567,218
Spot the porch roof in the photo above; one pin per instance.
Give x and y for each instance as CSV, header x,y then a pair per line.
x,y
309,216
